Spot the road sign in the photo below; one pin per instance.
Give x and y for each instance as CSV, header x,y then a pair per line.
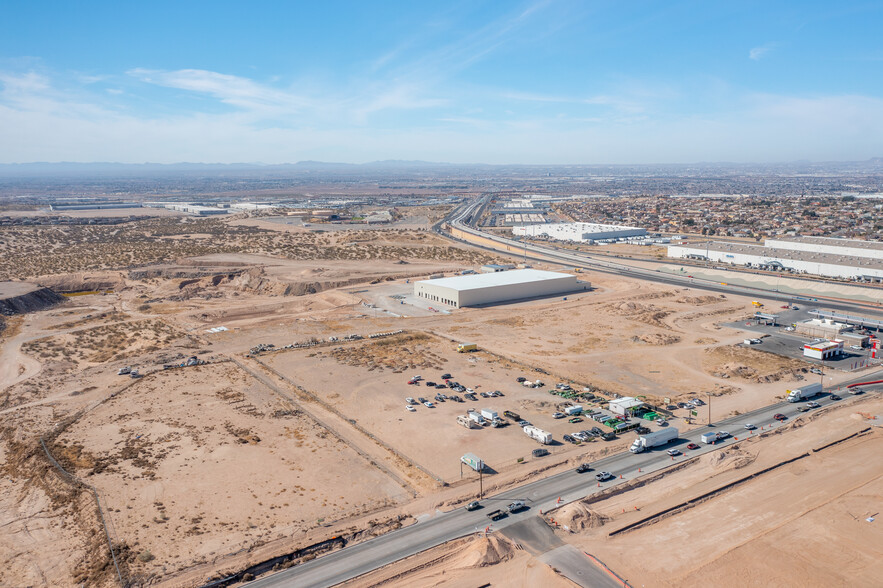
x,y
694,413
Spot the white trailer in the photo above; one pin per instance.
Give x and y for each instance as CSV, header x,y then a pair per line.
x,y
467,422
489,414
540,435
654,439
573,410
804,393
474,416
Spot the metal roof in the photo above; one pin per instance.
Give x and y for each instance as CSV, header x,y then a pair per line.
x,y
506,278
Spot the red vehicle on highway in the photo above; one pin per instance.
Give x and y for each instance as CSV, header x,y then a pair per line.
x,y
779,416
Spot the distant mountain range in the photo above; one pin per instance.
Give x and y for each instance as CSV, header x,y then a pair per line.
x,y
105,169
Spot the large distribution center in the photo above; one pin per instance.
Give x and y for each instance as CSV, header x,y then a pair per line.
x,y
834,258
473,290
581,232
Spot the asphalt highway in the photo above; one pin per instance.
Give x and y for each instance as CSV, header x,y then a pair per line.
x,y
463,217
543,494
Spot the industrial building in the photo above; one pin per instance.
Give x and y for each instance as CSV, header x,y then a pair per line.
x,y
474,290
849,267
625,406
579,232
830,245
821,328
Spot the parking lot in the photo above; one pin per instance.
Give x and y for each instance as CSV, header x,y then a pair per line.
x,y
376,399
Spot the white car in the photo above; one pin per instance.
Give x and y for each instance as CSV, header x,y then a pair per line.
x,y
750,427
558,415
674,452
411,408
856,347
428,404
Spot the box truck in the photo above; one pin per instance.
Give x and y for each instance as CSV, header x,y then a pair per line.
x,y
804,393
654,439
466,347
489,414
540,435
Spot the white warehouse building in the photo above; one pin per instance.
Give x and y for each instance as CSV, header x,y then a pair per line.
x,y
474,290
831,245
581,232
783,260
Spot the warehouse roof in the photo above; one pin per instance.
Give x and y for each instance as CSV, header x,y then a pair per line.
x,y
835,241
507,278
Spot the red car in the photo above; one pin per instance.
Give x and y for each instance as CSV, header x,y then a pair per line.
x,y
692,446
779,416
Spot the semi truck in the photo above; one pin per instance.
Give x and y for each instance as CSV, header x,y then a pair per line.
x,y
538,434
654,439
804,393
473,461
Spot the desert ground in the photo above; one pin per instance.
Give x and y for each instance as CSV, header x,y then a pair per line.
x,y
289,431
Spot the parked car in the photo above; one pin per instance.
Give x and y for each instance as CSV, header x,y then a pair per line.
x,y
570,439
474,505
409,400
520,379
411,408
581,436
470,397
441,387
575,420
512,415
484,395
540,452
558,415
642,430
523,423
856,347
446,376
603,476
430,384
692,446
428,404
583,467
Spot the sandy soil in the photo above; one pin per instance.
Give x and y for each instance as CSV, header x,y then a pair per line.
x,y
198,462
159,451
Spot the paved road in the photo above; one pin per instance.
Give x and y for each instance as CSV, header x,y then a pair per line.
x,y
541,494
463,217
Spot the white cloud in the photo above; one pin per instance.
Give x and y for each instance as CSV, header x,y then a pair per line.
x,y
758,52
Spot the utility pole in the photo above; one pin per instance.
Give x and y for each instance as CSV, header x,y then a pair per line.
x,y
481,482
708,394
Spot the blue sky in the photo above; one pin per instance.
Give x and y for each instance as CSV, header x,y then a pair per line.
x,y
549,81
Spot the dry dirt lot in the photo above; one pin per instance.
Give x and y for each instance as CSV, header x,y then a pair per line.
x,y
367,381
199,462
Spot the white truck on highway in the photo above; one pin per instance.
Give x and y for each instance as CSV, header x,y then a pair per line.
x,y
654,439
540,435
714,436
804,393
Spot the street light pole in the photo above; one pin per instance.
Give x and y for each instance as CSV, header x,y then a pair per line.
x,y
708,394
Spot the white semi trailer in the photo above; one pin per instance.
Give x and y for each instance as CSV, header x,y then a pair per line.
x,y
804,393
654,439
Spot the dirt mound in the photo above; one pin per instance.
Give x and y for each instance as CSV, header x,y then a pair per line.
x,y
483,551
731,459
84,282
37,299
699,300
577,516
642,313
657,339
